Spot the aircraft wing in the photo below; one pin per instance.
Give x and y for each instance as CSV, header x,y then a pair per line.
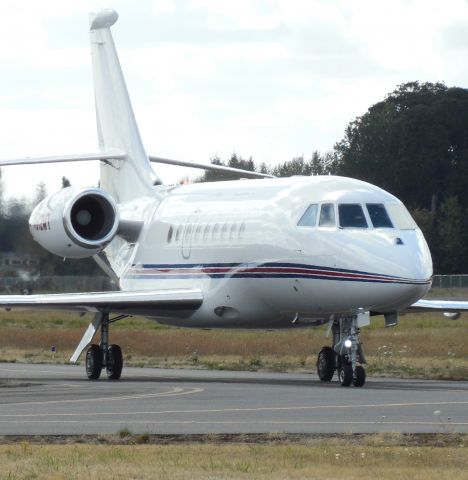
x,y
155,303
434,305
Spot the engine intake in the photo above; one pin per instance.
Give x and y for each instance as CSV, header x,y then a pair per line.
x,y
75,223
91,217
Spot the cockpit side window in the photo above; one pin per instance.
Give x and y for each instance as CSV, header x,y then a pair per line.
x,y
309,219
401,218
378,215
351,216
327,215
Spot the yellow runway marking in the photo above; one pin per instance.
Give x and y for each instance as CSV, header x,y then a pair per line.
x,y
217,410
176,391
54,372
40,387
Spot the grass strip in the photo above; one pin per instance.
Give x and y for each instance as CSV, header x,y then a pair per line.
x,y
421,346
324,459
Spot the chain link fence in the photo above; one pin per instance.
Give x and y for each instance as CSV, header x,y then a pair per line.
x,y
450,281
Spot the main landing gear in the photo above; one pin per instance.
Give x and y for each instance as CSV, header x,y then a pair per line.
x,y
346,356
104,355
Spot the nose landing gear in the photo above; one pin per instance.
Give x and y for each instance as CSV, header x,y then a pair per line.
x,y
346,356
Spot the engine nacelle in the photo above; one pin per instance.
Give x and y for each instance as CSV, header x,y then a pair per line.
x,y
75,223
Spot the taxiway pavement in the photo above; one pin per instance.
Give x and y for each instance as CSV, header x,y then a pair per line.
x,y
58,399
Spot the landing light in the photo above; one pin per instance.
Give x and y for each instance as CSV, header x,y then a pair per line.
x,y
348,343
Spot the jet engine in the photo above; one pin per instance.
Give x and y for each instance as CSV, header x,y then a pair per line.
x,y
75,223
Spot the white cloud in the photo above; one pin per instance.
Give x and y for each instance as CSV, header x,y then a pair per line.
x,y
273,79
161,7
240,14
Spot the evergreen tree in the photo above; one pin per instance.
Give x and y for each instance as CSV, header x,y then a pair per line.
x,y
40,194
414,144
451,226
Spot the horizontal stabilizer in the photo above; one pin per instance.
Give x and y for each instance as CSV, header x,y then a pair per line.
x,y
83,157
211,166
118,155
163,303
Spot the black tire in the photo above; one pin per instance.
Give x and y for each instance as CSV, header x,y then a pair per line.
x,y
359,378
93,362
114,362
346,375
326,364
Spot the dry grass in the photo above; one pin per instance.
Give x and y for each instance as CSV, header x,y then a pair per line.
x,y
324,460
424,346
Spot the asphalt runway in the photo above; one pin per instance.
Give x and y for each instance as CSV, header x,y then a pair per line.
x,y
58,399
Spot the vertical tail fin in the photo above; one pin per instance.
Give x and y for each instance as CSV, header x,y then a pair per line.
x,y
117,129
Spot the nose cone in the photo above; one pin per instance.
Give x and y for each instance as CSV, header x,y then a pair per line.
x,y
412,263
403,261
417,256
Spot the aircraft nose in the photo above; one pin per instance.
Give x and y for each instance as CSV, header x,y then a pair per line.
x,y
416,266
422,260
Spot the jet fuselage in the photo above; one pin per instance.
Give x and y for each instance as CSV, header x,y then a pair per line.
x,y
259,265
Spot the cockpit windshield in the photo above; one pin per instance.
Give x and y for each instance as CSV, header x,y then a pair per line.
x,y
354,215
378,215
351,216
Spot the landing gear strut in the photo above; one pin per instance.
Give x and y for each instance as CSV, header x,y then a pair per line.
x,y
104,355
346,356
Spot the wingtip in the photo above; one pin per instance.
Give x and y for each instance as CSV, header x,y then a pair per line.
x,y
103,19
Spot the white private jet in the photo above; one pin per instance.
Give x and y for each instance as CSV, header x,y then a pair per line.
x,y
265,253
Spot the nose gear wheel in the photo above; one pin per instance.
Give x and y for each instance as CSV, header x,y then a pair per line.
x,y
346,355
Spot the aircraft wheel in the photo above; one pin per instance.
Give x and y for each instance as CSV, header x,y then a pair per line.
x,y
114,362
93,362
346,375
359,377
326,364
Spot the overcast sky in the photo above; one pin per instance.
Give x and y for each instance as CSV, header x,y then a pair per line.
x,y
271,79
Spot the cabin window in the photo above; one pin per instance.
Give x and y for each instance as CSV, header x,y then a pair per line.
x,y
378,215
206,232
401,218
197,233
232,234
178,232
215,232
241,230
169,234
327,215
187,233
351,216
224,231
309,219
